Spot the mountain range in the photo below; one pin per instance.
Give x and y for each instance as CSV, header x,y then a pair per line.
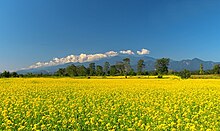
x,y
189,64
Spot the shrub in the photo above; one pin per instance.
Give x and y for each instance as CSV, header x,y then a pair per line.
x,y
185,74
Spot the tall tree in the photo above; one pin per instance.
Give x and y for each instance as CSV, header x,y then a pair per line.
x,y
127,66
216,69
120,67
92,69
14,74
185,74
113,70
81,70
106,68
6,74
99,70
140,67
71,70
61,72
201,70
161,66
132,72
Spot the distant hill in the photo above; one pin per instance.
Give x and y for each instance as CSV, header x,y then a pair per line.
x,y
191,65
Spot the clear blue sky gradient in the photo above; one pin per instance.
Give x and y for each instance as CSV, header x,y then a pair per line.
x,y
39,30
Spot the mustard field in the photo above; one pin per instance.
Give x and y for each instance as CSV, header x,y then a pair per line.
x,y
109,104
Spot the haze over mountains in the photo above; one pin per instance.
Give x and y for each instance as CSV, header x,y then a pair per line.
x,y
188,64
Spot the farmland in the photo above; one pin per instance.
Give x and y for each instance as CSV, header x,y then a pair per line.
x,y
109,104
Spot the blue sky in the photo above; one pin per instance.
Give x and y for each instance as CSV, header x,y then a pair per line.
x,y
40,30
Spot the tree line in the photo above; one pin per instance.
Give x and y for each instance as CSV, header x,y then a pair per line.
x,y
121,68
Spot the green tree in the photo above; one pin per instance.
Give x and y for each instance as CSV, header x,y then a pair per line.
x,y
61,72
185,74
71,70
29,75
14,74
216,69
140,67
113,70
99,70
127,66
106,68
91,69
161,66
132,72
6,74
81,70
120,67
201,70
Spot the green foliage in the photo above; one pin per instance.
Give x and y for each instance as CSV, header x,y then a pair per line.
x,y
6,74
185,74
132,72
81,70
120,68
106,68
71,70
91,69
113,70
216,69
201,71
161,66
14,74
140,66
61,72
127,66
99,70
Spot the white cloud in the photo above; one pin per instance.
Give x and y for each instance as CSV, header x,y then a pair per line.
x,y
111,53
74,58
84,58
129,52
143,52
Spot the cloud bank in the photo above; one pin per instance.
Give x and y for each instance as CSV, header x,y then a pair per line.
x,y
74,58
85,58
129,52
143,52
